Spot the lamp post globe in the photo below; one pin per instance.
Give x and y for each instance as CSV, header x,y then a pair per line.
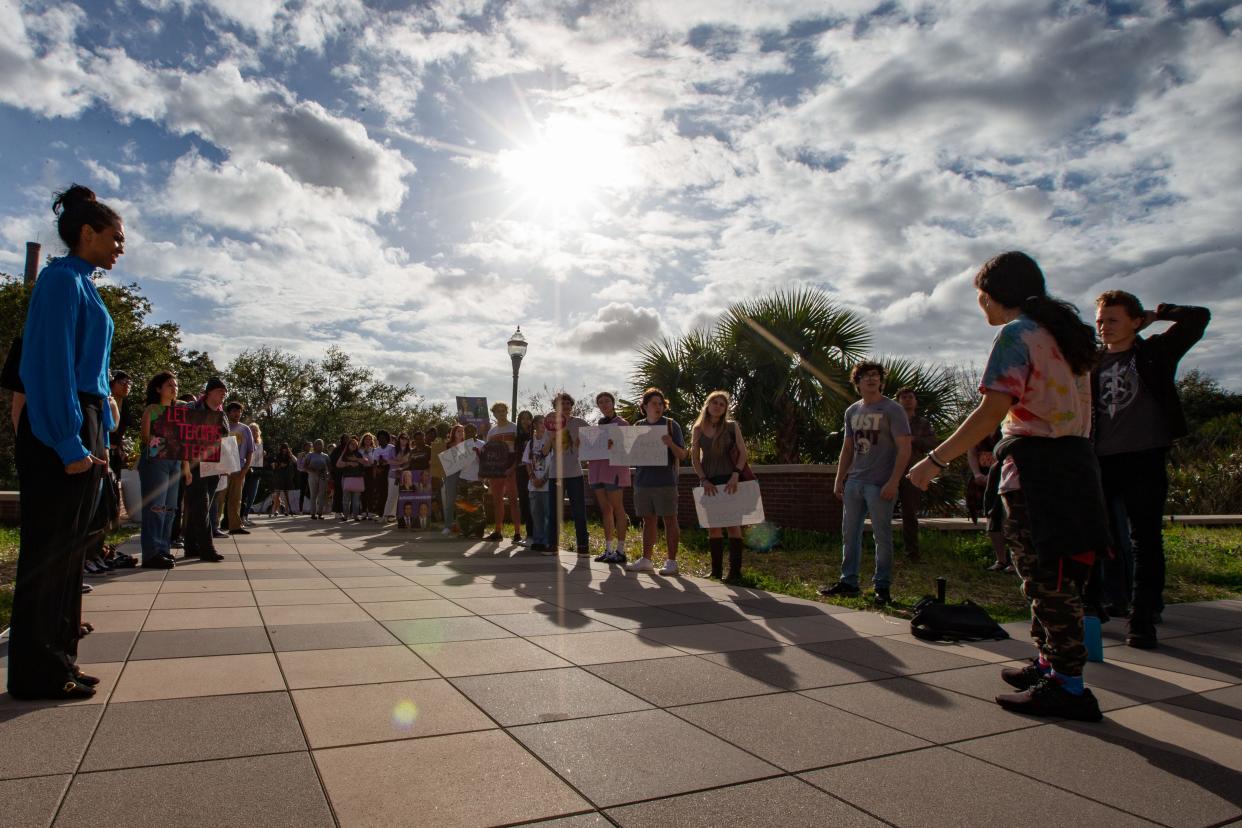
x,y
517,350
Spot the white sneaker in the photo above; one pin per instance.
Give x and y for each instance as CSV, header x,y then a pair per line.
x,y
640,565
669,568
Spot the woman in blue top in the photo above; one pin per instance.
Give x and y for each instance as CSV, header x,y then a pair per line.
x,y
62,448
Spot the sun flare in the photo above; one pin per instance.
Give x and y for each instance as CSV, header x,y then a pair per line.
x,y
572,164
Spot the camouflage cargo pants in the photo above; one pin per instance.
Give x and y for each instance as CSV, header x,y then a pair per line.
x,y
1055,592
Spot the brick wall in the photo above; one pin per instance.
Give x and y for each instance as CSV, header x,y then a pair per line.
x,y
794,497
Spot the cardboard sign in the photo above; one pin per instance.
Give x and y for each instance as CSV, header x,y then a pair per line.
x,y
495,460
189,433
742,508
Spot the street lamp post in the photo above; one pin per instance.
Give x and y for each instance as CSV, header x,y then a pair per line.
x,y
517,350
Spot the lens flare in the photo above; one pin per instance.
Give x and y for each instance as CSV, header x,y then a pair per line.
x,y
405,714
763,537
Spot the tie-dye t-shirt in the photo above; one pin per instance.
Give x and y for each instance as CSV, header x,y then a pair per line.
x,y
1049,399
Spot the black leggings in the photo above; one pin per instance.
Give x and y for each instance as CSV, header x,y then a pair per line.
x,y
56,517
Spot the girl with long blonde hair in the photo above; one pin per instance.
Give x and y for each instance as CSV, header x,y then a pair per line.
x,y
718,454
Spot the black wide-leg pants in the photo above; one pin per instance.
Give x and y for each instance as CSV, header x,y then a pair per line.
x,y
57,510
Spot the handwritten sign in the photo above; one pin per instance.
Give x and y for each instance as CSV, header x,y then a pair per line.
x,y
495,460
742,508
639,445
593,441
454,459
189,433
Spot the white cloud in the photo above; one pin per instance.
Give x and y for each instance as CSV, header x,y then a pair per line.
x,y
615,327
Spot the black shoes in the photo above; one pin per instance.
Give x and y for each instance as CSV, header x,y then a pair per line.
x,y
158,563
83,678
1023,678
211,556
71,689
494,537
882,597
1049,698
1141,629
840,590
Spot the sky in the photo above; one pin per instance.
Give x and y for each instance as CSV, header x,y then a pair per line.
x,y
410,181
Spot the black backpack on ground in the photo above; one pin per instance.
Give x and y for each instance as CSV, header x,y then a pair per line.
x,y
967,621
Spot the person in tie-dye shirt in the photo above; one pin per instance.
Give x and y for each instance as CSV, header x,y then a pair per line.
x,y
1037,387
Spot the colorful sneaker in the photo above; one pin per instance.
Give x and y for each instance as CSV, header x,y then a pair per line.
x,y
640,565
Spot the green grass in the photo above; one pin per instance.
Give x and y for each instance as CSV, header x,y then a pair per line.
x,y
1203,564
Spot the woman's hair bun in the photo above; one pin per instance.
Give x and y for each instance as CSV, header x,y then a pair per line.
x,y
72,197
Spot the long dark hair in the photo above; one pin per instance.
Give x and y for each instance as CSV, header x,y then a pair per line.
x,y
155,384
77,207
1014,280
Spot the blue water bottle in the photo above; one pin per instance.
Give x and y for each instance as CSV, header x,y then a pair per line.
x,y
1093,638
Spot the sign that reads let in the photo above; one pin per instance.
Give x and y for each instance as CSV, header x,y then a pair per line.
x,y
189,433
495,460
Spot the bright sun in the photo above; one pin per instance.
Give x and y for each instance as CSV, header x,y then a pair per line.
x,y
573,164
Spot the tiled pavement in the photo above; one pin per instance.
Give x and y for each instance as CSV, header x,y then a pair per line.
x,y
325,676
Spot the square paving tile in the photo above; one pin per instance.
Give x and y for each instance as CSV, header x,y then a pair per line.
x,y
436,782
558,621
189,643
1184,730
670,597
184,730
202,600
104,647
329,636
794,668
125,588
407,592
121,621
293,597
993,652
40,739
922,710
406,610
504,605
376,581
796,733
633,618
940,787
603,647
705,638
1194,655
199,619
313,614
633,756
110,603
686,680
895,657
355,714
773,803
1226,702
546,696
355,665
281,584
431,630
29,802
495,655
225,585
280,791
176,678
1166,786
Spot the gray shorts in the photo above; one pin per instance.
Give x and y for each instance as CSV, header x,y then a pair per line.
x,y
652,501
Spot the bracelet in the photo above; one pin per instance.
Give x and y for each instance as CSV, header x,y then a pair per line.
x,y
931,455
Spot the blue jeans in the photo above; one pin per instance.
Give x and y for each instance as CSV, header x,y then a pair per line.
x,y
161,486
249,490
573,487
539,500
862,499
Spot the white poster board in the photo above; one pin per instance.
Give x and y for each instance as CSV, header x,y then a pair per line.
x,y
470,471
742,508
454,459
230,459
639,445
593,441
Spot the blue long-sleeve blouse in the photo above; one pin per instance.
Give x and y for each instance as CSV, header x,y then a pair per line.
x,y
65,350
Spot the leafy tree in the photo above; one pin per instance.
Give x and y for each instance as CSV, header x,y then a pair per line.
x,y
139,347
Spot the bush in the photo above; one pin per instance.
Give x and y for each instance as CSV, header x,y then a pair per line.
x,y
1205,474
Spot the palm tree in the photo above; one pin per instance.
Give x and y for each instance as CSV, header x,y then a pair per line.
x,y
784,358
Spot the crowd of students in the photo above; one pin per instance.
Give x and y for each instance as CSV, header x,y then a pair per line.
x,y
1067,446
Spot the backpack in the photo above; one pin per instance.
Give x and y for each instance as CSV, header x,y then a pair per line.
x,y
967,621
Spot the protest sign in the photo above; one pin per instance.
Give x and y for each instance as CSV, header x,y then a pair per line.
x,y
229,458
495,460
742,508
414,498
639,446
454,459
189,433
593,441
474,410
